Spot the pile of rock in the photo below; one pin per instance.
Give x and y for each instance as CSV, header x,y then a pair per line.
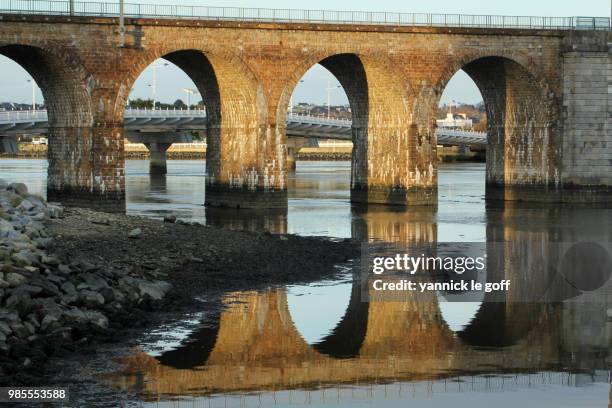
x,y
46,301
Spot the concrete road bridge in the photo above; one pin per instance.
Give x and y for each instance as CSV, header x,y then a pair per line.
x,y
545,83
159,129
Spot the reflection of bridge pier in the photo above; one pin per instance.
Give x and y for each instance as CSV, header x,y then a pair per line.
x,y
273,221
532,248
395,225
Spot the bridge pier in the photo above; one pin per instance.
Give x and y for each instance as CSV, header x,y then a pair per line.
x,y
86,166
157,157
245,168
158,144
8,144
293,147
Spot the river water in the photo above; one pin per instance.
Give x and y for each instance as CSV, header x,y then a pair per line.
x,y
320,345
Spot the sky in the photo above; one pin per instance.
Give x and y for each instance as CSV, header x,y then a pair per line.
x,y
171,81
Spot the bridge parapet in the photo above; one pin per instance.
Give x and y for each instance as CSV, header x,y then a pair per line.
x,y
173,11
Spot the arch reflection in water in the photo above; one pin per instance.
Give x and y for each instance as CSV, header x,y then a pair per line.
x,y
338,334
257,346
458,315
317,309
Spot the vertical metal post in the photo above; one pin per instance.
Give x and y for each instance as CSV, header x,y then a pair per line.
x,y
33,95
328,98
154,85
121,25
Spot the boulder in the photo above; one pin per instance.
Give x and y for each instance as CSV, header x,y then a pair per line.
x,y
155,290
135,233
91,299
25,205
19,188
170,218
15,279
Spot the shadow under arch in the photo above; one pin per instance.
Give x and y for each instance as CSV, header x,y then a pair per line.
x,y
66,89
346,338
522,121
196,351
521,248
498,325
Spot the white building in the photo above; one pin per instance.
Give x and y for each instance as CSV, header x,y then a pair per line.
x,y
455,121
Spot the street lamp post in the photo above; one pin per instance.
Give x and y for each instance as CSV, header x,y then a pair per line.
x,y
155,65
189,92
33,93
329,89
121,24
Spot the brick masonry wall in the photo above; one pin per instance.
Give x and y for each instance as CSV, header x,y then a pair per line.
x,y
394,77
587,105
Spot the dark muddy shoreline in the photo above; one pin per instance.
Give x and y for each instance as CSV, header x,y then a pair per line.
x,y
197,259
200,262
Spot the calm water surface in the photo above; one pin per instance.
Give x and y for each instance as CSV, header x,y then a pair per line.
x,y
319,345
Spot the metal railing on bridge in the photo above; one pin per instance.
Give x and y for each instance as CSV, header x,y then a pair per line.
x,y
23,115
160,113
136,10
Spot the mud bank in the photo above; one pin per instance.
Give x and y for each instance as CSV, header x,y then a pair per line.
x,y
194,260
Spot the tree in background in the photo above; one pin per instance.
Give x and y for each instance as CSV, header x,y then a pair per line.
x,y
141,103
179,104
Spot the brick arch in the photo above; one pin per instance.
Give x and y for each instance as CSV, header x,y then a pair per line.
x,y
229,70
387,161
537,71
521,121
62,80
66,87
241,157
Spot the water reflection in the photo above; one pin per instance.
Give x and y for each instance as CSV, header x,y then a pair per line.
x,y
258,344
322,336
257,347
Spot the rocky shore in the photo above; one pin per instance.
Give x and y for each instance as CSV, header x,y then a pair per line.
x,y
50,302
71,277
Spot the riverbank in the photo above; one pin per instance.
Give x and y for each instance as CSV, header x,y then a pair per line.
x,y
101,277
184,151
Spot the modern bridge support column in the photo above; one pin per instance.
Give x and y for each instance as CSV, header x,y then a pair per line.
x,y
293,147
157,157
8,144
158,144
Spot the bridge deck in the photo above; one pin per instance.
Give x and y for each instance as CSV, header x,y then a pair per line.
x,y
143,120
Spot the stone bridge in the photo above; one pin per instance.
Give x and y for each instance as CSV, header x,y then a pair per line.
x,y
547,94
